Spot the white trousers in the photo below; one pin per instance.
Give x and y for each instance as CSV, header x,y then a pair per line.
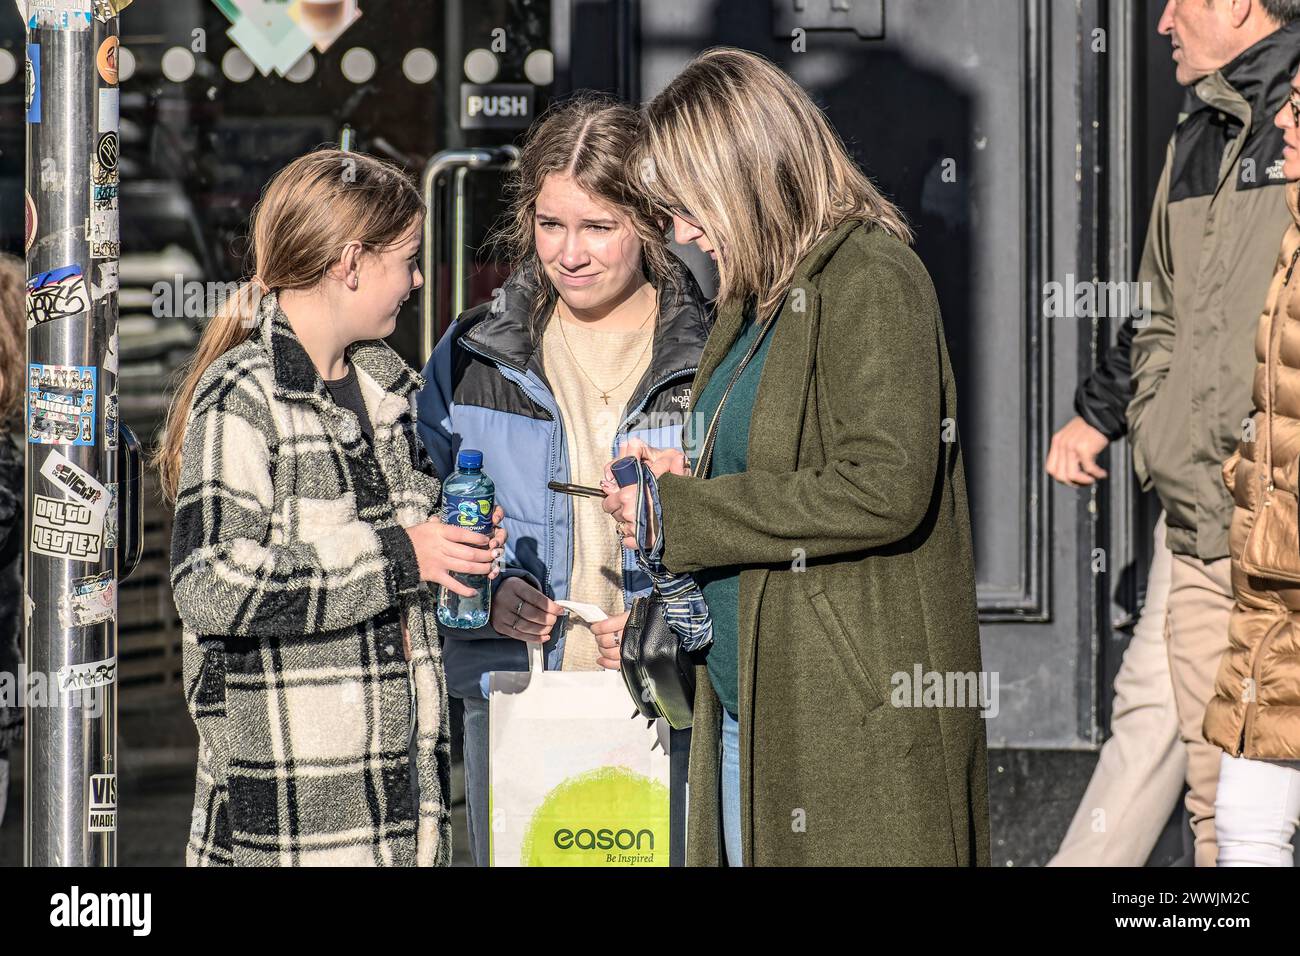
x,y
1256,811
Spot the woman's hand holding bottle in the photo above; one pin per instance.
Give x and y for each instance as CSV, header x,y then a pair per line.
x,y
443,549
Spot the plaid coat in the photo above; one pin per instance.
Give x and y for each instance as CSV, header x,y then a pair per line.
x,y
292,573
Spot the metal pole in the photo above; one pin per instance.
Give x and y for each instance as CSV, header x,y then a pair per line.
x,y
70,550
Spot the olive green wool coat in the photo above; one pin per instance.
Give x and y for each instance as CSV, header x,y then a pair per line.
x,y
852,526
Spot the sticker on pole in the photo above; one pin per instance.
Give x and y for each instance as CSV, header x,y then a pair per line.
x,y
57,294
33,82
61,404
110,109
32,222
65,529
111,427
106,10
92,600
75,482
110,517
103,168
102,234
60,14
102,805
106,60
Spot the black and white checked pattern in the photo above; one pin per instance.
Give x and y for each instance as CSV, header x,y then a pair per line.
x,y
291,573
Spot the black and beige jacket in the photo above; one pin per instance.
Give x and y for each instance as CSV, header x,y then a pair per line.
x,y
1219,216
292,574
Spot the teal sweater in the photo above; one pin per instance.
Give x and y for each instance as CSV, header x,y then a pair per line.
x,y
721,586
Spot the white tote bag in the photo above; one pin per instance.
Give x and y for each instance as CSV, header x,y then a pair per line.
x,y
575,777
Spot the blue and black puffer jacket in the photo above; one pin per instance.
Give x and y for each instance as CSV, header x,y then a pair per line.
x,y
486,389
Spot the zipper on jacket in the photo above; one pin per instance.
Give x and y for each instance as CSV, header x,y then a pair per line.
x,y
550,501
1252,708
1291,268
469,347
650,393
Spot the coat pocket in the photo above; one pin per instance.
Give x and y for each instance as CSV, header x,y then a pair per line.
x,y
844,649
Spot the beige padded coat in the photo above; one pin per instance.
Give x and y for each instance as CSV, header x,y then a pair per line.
x,y
1255,711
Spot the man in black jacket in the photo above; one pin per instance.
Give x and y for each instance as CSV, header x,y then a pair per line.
x,y
1139,773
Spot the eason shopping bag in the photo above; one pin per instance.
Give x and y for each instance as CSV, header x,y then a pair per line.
x,y
575,777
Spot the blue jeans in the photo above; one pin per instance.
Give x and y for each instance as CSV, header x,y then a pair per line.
x,y
731,788
475,748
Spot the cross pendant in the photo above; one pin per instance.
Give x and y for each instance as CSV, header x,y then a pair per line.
x,y
604,396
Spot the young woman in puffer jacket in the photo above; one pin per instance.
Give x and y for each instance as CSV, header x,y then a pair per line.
x,y
1254,715
593,340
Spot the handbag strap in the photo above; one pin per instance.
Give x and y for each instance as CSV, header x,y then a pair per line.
x,y
710,436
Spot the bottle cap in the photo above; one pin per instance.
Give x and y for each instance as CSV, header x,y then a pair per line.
x,y
469,458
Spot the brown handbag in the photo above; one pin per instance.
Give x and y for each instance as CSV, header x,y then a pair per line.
x,y
1272,548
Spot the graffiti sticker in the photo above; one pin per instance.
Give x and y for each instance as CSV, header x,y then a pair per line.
x,y
110,420
61,404
106,60
102,233
78,484
110,517
31,221
88,676
57,294
106,10
91,601
65,529
59,14
33,82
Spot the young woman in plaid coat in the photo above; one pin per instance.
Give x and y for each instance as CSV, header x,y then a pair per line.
x,y
305,531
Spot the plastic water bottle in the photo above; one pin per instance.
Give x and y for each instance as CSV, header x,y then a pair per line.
x,y
468,497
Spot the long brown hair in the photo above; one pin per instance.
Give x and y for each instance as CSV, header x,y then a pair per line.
x,y
310,210
740,146
585,137
13,338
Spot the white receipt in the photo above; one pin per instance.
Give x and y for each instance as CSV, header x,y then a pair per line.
x,y
588,612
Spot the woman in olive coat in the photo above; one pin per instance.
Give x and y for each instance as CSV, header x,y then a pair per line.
x,y
830,532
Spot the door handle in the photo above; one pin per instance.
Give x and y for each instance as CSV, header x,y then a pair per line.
x,y
130,514
459,163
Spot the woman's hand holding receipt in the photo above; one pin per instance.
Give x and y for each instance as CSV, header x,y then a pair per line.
x,y
521,611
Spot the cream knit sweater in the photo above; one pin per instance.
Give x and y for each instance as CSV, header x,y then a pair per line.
x,y
590,424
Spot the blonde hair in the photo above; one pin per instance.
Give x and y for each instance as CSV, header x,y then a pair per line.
x,y
740,146
13,338
310,210
586,138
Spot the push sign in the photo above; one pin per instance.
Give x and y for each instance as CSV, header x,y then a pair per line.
x,y
496,106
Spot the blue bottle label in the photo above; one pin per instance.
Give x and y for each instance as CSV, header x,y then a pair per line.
x,y
472,512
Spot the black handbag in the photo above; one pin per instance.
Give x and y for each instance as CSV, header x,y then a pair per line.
x,y
658,671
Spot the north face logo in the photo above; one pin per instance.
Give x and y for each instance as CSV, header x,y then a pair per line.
x,y
683,399
1275,171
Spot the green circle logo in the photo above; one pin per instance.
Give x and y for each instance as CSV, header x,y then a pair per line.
x,y
605,817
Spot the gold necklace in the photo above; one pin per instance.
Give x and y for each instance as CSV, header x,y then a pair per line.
x,y
604,393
